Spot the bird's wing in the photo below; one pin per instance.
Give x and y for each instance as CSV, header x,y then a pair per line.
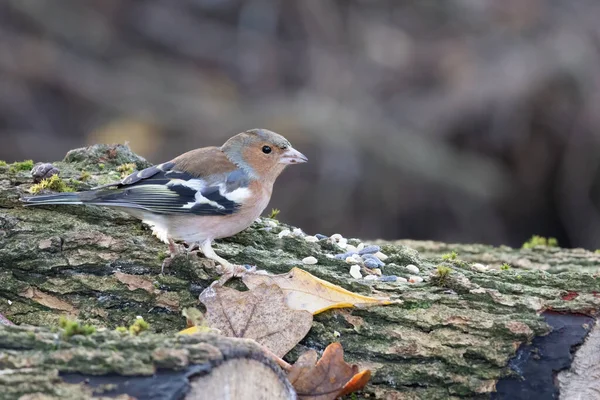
x,y
201,182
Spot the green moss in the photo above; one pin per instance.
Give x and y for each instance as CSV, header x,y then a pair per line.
x,y
537,240
121,329
3,163
138,326
101,166
450,256
126,169
441,275
505,267
26,165
53,183
85,176
274,213
72,328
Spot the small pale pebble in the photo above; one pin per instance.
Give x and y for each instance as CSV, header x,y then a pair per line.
x,y
351,249
271,223
329,255
320,236
336,334
381,256
480,267
377,271
401,279
309,260
370,278
350,260
284,233
412,269
360,246
415,279
369,250
337,237
9,303
355,271
311,239
389,278
297,232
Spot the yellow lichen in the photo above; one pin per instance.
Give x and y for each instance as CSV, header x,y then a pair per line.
x,y
53,183
126,169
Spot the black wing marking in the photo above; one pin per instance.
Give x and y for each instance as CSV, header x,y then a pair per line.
x,y
172,192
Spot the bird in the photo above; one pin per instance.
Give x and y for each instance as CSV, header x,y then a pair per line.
x,y
202,195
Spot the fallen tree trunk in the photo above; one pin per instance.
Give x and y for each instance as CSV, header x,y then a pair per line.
x,y
456,334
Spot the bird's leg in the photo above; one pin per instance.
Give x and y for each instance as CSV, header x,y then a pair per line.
x,y
226,266
193,249
172,253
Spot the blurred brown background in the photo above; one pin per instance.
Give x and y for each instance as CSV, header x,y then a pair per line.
x,y
457,120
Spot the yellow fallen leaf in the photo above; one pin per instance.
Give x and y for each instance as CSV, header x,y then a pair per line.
x,y
304,291
195,329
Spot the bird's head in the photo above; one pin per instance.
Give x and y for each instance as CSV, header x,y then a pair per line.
x,y
262,153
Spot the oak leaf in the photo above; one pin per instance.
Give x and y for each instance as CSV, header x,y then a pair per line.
x,y
260,313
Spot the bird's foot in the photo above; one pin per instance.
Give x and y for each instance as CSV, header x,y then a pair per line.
x,y
229,271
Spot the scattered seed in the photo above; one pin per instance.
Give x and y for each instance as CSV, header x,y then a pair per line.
x,y
381,256
373,260
377,271
360,246
370,278
355,271
329,256
369,250
350,260
336,237
9,302
401,279
389,278
320,236
415,279
336,334
351,249
309,260
284,233
370,263
311,239
271,223
412,269
343,256
297,232
480,267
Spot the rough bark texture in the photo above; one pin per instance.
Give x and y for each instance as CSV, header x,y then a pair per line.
x,y
453,336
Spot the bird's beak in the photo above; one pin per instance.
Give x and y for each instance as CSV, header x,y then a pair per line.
x,y
292,156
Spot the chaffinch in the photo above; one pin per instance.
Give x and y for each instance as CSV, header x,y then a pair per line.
x,y
202,195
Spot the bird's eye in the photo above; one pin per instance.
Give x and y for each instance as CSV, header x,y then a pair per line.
x,y
266,149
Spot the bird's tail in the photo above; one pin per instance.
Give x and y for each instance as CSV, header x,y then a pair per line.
x,y
62,198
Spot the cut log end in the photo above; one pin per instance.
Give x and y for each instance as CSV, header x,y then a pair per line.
x,y
242,378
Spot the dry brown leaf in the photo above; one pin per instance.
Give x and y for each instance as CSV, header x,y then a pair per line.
x,y
307,292
260,314
330,378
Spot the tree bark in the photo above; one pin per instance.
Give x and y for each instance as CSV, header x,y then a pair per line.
x,y
453,336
